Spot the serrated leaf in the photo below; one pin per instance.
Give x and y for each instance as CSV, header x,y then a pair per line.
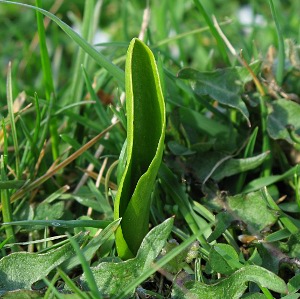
x,y
252,209
145,141
112,278
284,113
224,259
21,269
223,85
235,285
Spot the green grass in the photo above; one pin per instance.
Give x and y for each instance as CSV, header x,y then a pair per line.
x,y
223,204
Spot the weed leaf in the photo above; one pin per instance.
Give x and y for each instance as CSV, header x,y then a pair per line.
x,y
252,209
223,85
234,286
20,270
113,278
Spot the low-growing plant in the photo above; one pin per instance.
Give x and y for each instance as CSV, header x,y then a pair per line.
x,y
191,188
145,140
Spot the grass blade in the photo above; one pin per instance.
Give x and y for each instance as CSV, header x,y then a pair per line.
x,y
281,54
48,80
114,70
221,44
81,57
86,269
61,223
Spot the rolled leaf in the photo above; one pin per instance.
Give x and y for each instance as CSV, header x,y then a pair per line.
x,y
145,141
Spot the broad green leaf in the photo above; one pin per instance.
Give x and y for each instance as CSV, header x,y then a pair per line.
x,y
90,50
20,270
235,285
113,278
223,85
285,113
224,259
145,141
252,209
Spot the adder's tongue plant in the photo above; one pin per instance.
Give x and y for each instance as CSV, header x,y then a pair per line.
x,y
145,140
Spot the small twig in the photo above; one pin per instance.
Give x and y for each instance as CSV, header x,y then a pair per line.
x,y
101,172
